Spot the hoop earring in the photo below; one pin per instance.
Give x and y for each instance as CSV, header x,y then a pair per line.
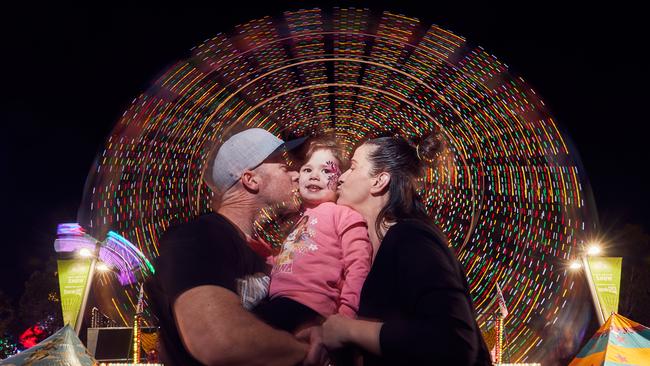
x,y
417,152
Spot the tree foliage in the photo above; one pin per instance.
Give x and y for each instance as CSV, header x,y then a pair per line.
x,y
40,302
633,244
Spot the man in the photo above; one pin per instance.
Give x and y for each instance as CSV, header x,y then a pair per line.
x,y
203,263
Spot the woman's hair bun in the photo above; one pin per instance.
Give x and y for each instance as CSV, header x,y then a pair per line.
x,y
428,146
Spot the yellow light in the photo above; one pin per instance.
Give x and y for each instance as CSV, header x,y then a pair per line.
x,y
85,252
575,265
594,249
102,267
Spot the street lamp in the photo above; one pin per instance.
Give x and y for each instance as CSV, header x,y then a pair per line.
x,y
594,249
575,265
85,253
102,267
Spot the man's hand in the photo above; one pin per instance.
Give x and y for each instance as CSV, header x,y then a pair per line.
x,y
317,354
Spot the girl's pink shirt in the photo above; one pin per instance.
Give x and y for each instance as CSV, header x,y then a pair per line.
x,y
324,261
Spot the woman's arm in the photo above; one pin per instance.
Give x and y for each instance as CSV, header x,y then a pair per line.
x,y
339,331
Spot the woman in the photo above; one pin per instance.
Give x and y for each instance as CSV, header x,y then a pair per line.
x,y
415,300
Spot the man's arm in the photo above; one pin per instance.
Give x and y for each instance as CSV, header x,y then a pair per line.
x,y
216,330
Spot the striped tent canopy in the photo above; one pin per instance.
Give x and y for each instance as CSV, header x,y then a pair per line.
x,y
62,348
619,341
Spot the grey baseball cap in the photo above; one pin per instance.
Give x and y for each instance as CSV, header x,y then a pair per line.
x,y
242,151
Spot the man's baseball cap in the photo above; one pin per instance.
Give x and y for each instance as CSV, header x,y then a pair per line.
x,y
242,151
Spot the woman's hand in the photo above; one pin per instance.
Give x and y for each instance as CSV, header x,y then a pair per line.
x,y
336,331
339,331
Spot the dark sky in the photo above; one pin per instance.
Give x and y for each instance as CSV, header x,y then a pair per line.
x,y
68,74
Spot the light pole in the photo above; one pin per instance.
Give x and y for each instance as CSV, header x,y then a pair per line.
x,y
594,249
86,253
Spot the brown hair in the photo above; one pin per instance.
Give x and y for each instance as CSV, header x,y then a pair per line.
x,y
405,161
327,142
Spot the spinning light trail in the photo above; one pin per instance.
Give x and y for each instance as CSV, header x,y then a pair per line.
x,y
509,191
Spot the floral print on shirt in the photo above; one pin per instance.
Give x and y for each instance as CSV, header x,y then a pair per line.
x,y
299,241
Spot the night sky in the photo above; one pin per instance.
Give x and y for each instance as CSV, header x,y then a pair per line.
x,y
69,73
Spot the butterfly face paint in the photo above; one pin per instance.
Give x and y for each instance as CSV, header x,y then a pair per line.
x,y
333,175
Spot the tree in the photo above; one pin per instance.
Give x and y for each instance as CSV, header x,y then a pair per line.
x,y
40,303
6,314
633,244
7,344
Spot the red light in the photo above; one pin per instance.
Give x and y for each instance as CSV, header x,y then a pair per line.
x,y
31,336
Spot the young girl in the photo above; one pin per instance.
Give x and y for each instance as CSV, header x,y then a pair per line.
x,y
325,259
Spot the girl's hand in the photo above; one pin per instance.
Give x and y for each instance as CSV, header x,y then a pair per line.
x,y
336,331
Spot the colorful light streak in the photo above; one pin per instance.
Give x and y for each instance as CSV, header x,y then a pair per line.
x,y
115,252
